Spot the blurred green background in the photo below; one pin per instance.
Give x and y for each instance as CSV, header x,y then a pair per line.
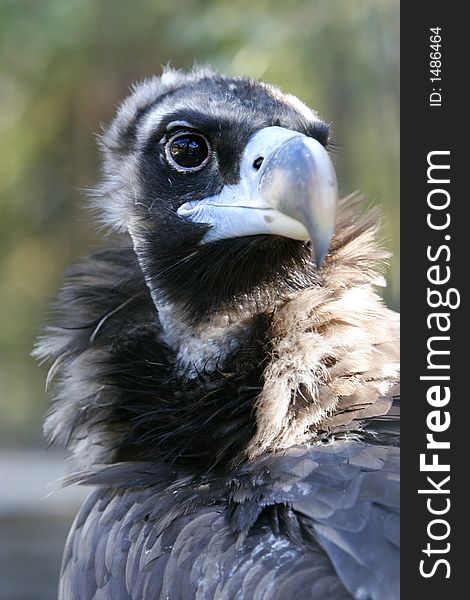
x,y
65,64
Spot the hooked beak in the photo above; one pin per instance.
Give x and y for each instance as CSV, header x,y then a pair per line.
x,y
287,187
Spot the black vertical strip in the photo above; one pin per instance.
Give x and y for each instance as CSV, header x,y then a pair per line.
x,y
435,266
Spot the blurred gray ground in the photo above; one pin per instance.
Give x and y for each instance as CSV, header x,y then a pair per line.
x,y
35,516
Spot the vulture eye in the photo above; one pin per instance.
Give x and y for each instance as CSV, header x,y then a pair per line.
x,y
188,151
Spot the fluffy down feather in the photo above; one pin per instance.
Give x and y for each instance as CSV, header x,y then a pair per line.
x,y
324,359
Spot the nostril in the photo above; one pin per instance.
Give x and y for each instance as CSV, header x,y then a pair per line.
x,y
258,162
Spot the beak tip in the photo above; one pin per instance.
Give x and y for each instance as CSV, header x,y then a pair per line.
x,y
319,256
320,241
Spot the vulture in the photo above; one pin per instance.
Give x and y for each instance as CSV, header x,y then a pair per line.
x,y
224,371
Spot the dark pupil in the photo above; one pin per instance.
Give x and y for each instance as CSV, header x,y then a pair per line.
x,y
189,150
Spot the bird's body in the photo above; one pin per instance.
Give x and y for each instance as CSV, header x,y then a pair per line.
x,y
232,397
261,533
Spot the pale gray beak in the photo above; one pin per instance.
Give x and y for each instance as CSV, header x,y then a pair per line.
x,y
287,187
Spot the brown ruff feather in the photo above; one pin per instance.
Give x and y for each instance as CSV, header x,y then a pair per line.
x,y
331,358
335,348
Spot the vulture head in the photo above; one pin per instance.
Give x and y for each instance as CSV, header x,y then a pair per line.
x,y
226,356
226,188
